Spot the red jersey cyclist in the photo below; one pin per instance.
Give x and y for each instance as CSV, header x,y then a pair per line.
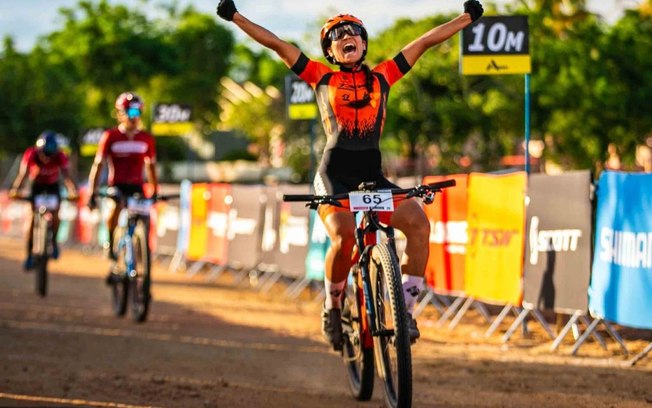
x,y
43,164
352,101
129,152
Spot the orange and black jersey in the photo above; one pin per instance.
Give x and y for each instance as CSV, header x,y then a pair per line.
x,y
353,117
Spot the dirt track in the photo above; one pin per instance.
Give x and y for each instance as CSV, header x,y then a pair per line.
x,y
213,345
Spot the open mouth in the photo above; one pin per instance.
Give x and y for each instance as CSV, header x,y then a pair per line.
x,y
349,48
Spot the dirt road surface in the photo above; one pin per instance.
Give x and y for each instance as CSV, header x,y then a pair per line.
x,y
215,345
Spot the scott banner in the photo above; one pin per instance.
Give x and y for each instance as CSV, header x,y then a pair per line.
x,y
448,236
496,217
621,283
558,245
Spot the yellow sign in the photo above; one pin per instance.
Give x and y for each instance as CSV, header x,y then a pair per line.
x,y
496,45
496,64
172,128
303,111
88,150
496,228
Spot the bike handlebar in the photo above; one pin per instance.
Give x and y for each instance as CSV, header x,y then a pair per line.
x,y
333,199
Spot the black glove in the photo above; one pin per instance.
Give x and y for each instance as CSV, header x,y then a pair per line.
x,y
472,7
92,202
226,9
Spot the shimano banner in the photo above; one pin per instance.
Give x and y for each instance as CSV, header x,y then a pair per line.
x,y
621,282
558,242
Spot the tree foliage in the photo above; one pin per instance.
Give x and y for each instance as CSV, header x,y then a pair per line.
x,y
590,84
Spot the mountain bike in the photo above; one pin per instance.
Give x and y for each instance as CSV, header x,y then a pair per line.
x,y
130,275
43,235
374,318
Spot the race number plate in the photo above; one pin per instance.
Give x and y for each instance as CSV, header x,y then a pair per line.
x,y
140,206
366,200
47,201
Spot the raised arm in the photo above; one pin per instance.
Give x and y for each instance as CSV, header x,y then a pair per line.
x,y
413,51
286,51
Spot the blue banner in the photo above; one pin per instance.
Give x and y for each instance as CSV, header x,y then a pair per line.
x,y
621,281
319,243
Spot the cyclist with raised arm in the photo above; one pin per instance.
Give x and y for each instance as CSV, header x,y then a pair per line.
x,y
42,165
130,152
352,102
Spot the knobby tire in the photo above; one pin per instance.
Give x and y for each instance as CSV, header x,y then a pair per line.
x,y
119,288
43,235
358,359
393,355
140,284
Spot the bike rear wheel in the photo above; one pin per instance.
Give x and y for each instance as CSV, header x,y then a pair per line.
x,y
357,356
392,344
141,281
120,285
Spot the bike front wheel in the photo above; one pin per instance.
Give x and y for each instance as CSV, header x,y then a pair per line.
x,y
140,282
392,342
120,285
357,354
42,236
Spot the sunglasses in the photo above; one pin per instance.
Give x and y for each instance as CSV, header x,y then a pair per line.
x,y
338,32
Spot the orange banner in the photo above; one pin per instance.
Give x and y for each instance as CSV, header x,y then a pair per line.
x,y
496,223
198,216
448,236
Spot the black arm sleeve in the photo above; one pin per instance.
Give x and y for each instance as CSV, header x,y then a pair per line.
x,y
402,63
301,64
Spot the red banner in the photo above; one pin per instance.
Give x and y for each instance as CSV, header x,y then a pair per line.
x,y
448,236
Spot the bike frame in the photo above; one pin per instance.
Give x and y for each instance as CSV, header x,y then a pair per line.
x,y
126,240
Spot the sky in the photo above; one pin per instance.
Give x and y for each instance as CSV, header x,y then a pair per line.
x,y
26,20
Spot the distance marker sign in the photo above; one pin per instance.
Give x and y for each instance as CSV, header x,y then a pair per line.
x,y
496,45
300,99
172,119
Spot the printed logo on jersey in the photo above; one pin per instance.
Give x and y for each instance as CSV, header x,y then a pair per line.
x,y
129,147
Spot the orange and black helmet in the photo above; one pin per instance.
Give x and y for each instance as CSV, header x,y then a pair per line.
x,y
340,20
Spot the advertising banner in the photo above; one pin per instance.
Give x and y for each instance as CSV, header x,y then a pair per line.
x,y
496,223
558,242
621,280
168,222
319,243
185,202
219,205
290,255
448,236
245,226
198,234
269,238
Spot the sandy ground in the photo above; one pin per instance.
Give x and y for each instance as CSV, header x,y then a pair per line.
x,y
217,345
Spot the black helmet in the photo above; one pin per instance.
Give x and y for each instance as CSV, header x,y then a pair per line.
x,y
47,143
